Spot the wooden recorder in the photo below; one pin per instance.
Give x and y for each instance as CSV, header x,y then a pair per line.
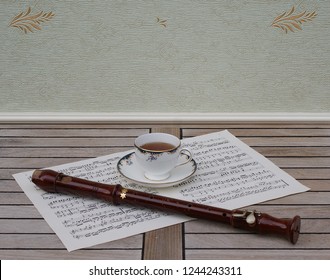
x,y
52,181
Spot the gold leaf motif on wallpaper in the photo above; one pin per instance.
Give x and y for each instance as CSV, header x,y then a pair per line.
x,y
162,22
28,22
291,21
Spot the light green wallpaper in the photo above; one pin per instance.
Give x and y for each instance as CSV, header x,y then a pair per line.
x,y
165,56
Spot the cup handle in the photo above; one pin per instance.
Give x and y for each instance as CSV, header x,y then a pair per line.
x,y
188,154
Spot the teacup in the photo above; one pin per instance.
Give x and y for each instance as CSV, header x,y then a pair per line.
x,y
158,154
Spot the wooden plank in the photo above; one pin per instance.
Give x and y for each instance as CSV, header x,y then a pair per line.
x,y
286,141
317,185
66,142
51,241
9,186
165,243
294,151
19,212
257,254
80,152
308,173
72,132
255,241
73,125
14,199
221,125
63,254
263,132
34,162
60,152
12,226
283,162
7,174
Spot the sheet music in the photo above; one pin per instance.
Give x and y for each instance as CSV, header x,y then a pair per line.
x,y
229,175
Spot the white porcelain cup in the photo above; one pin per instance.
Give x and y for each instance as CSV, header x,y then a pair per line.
x,y
158,154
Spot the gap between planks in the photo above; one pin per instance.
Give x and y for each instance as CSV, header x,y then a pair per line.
x,y
165,243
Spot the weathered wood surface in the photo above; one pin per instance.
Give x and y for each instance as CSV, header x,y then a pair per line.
x,y
24,234
301,149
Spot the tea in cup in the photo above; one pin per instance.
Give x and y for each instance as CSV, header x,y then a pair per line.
x,y
158,154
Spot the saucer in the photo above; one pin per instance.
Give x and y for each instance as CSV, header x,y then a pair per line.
x,y
130,169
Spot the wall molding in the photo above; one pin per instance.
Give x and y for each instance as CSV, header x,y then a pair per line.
x,y
161,117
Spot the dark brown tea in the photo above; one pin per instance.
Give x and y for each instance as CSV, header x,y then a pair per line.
x,y
158,146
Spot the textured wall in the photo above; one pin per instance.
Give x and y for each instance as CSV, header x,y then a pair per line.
x,y
165,56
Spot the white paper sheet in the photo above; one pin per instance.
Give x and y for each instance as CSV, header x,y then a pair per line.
x,y
229,175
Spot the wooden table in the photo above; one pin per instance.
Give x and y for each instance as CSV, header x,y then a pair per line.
x,y
301,149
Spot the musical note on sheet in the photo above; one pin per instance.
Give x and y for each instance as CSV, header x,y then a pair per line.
x,y
229,174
